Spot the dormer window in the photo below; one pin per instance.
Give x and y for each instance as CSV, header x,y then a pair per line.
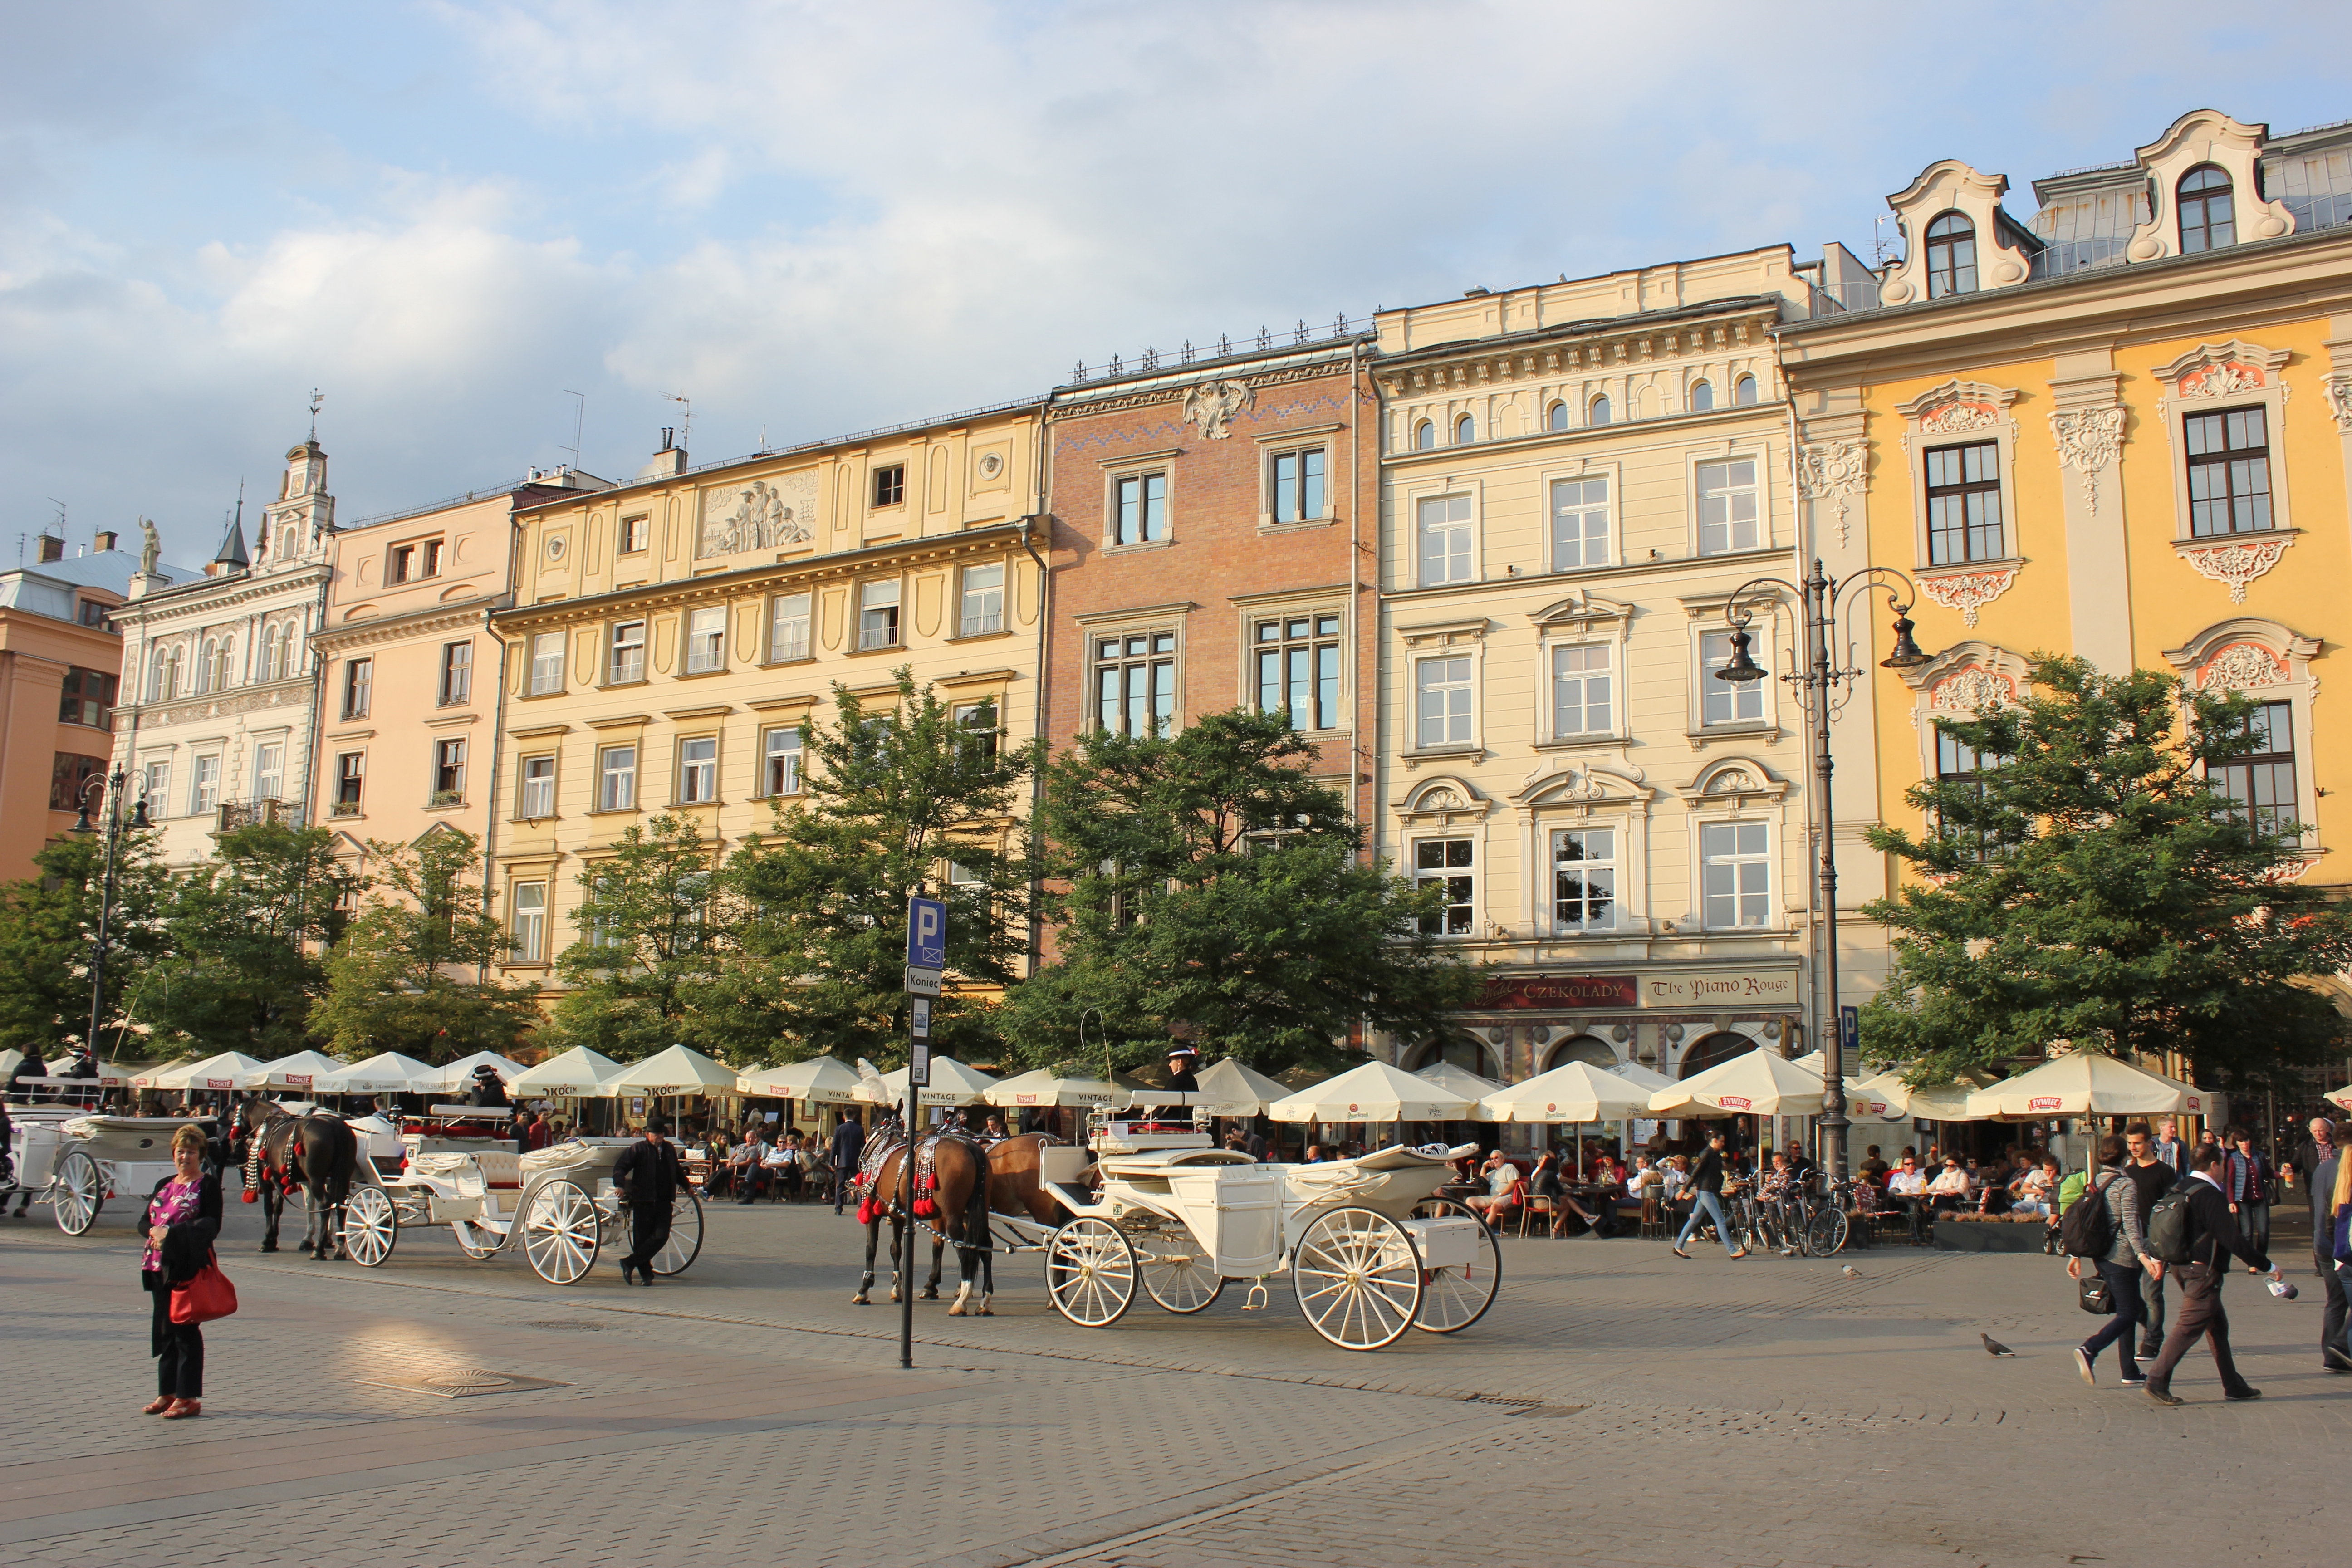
x,y
2208,219
1951,257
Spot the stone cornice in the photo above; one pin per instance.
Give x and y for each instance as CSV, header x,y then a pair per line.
x,y
195,600
462,615
1175,390
1617,342
220,704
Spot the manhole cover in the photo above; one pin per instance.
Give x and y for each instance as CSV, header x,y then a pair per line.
x,y
567,1326
1510,1406
465,1383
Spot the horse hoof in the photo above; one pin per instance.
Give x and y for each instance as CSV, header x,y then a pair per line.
x,y
955,1312
859,1300
988,1311
929,1296
266,1247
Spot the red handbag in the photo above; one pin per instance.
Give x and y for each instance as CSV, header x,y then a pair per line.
x,y
207,1296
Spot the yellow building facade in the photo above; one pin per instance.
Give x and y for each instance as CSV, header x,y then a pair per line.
x,y
2122,430
669,635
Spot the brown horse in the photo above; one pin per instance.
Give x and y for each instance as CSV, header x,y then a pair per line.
x,y
950,1199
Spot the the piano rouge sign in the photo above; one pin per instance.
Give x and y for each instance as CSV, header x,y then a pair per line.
x,y
1550,992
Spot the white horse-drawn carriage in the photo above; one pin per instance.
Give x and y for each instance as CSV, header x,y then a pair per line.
x,y
462,1171
62,1153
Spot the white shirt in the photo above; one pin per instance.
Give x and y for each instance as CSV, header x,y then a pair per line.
x,y
1908,1183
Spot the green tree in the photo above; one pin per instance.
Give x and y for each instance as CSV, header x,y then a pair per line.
x,y
249,934
1212,883
413,971
919,794
2089,884
47,924
655,937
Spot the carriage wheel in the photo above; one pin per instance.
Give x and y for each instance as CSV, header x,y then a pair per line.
x,y
1357,1279
684,1243
79,1193
1827,1234
1177,1272
1090,1272
475,1240
1454,1298
371,1225
560,1232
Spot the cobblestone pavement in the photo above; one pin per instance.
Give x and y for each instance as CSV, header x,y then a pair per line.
x,y
1618,1406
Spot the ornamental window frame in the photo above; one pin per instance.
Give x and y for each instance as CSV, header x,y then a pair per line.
x,y
1580,795
2270,662
1582,623
1732,451
1167,622
1138,468
1959,413
1772,629
2215,378
1960,682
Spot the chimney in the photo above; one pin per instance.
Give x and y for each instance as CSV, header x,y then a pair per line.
x,y
104,540
669,437
52,547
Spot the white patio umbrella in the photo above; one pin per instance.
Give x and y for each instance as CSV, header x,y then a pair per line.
x,y
1375,1091
675,1071
1460,1080
459,1075
1042,1088
1639,1076
1576,1092
2087,1083
1228,1087
153,1077
825,1080
303,1070
1762,1082
578,1074
386,1072
229,1069
952,1083
2342,1097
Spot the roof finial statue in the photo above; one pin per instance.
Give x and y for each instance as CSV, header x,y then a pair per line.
x,y
151,548
317,398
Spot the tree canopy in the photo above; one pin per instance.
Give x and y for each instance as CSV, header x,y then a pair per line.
x,y
652,942
48,925
249,931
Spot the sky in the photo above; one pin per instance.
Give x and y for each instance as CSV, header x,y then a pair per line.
x,y
812,219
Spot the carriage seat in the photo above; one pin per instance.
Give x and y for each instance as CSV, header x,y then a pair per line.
x,y
500,1167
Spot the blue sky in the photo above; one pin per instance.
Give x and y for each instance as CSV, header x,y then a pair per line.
x,y
812,219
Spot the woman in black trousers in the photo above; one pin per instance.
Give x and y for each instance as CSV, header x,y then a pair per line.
x,y
183,1218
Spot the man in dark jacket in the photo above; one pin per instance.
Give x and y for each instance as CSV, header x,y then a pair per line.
x,y
2213,1236
848,1144
2319,1175
649,1176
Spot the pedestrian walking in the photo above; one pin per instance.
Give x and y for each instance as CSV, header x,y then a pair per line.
x,y
2123,1265
848,1144
648,1174
2154,1178
2168,1146
1707,1200
2323,1174
2248,1184
2314,1152
2211,1237
182,1221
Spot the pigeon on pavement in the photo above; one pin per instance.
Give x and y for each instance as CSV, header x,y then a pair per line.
x,y
1994,1347
1850,1271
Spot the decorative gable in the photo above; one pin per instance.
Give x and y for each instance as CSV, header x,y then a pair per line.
x,y
2205,136
1948,185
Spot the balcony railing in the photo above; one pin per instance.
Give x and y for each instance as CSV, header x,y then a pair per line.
x,y
237,814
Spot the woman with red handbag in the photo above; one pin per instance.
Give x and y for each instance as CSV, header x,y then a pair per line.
x,y
183,1218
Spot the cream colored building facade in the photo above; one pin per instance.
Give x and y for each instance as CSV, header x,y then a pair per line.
x,y
1574,477
670,635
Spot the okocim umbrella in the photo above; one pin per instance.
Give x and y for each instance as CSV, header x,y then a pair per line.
x,y
577,1074
676,1070
827,1081
2342,1097
2086,1083
1461,1079
1577,1092
230,1069
1375,1091
1762,1083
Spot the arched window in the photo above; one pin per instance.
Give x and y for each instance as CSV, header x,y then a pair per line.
x,y
273,653
1743,392
224,655
1951,257
205,666
1713,1051
1424,436
286,541
166,684
1702,396
1466,430
1466,1054
1591,1050
1598,413
1557,418
2209,214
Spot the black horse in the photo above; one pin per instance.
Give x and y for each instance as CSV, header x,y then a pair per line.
x,y
317,1152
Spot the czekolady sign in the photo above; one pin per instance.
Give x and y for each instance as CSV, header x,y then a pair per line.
x,y
1551,992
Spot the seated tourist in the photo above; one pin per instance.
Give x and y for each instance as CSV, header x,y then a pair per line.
x,y
1873,1169
1504,1189
2035,1189
744,1163
1908,1186
1951,1189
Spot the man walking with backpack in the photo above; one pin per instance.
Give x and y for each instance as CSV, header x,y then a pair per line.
x,y
2103,1229
2194,1233
2152,1177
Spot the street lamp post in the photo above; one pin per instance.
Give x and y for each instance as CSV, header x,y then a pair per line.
x,y
113,785
1819,599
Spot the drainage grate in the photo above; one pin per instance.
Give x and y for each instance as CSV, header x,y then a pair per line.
x,y
465,1383
567,1326
1512,1405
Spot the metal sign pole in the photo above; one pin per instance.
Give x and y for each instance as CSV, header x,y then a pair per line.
x,y
927,943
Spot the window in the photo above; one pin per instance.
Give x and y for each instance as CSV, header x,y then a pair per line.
x,y
204,786
1584,880
1445,540
273,653
286,541
890,485
2260,786
2208,214
636,532
706,639
88,699
2229,472
212,665
359,681
1134,683
1580,690
93,613
1958,763
68,775
1442,702
1299,669
1298,484
1580,523
1727,516
1724,701
546,664
270,771
350,776
1951,257
616,783
1702,396
1597,411
1743,392
1424,436
788,627
538,788
980,719
1556,417
1447,863
878,615
1140,512
1964,503
155,788
456,672
1466,430
628,656
448,771
530,928
404,565
166,683
596,924
983,601
414,563
968,879
781,772
1737,870
698,769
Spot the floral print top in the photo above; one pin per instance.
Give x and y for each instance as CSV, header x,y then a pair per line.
x,y
174,1204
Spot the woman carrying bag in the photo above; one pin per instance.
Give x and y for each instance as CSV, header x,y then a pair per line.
x,y
177,1270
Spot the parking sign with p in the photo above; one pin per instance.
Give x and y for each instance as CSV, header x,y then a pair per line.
x,y
927,933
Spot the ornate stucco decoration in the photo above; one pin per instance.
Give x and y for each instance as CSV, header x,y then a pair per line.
x,y
1955,408
1950,185
757,516
2204,136
2236,563
2339,401
1831,472
2088,439
1735,782
2234,369
1441,801
2241,667
1968,592
1970,691
1213,405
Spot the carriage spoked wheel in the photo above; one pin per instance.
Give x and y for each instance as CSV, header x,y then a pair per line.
x,y
1357,1279
371,1225
1177,1272
561,1232
1090,1272
1826,1234
1454,1298
684,1243
81,1192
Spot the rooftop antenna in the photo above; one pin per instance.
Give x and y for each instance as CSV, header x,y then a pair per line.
x,y
685,425
61,514
317,398
1880,250
579,422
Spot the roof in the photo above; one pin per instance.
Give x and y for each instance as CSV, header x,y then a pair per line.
x,y
108,569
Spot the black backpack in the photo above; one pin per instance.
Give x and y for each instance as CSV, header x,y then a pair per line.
x,y
2087,1230
2172,1226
